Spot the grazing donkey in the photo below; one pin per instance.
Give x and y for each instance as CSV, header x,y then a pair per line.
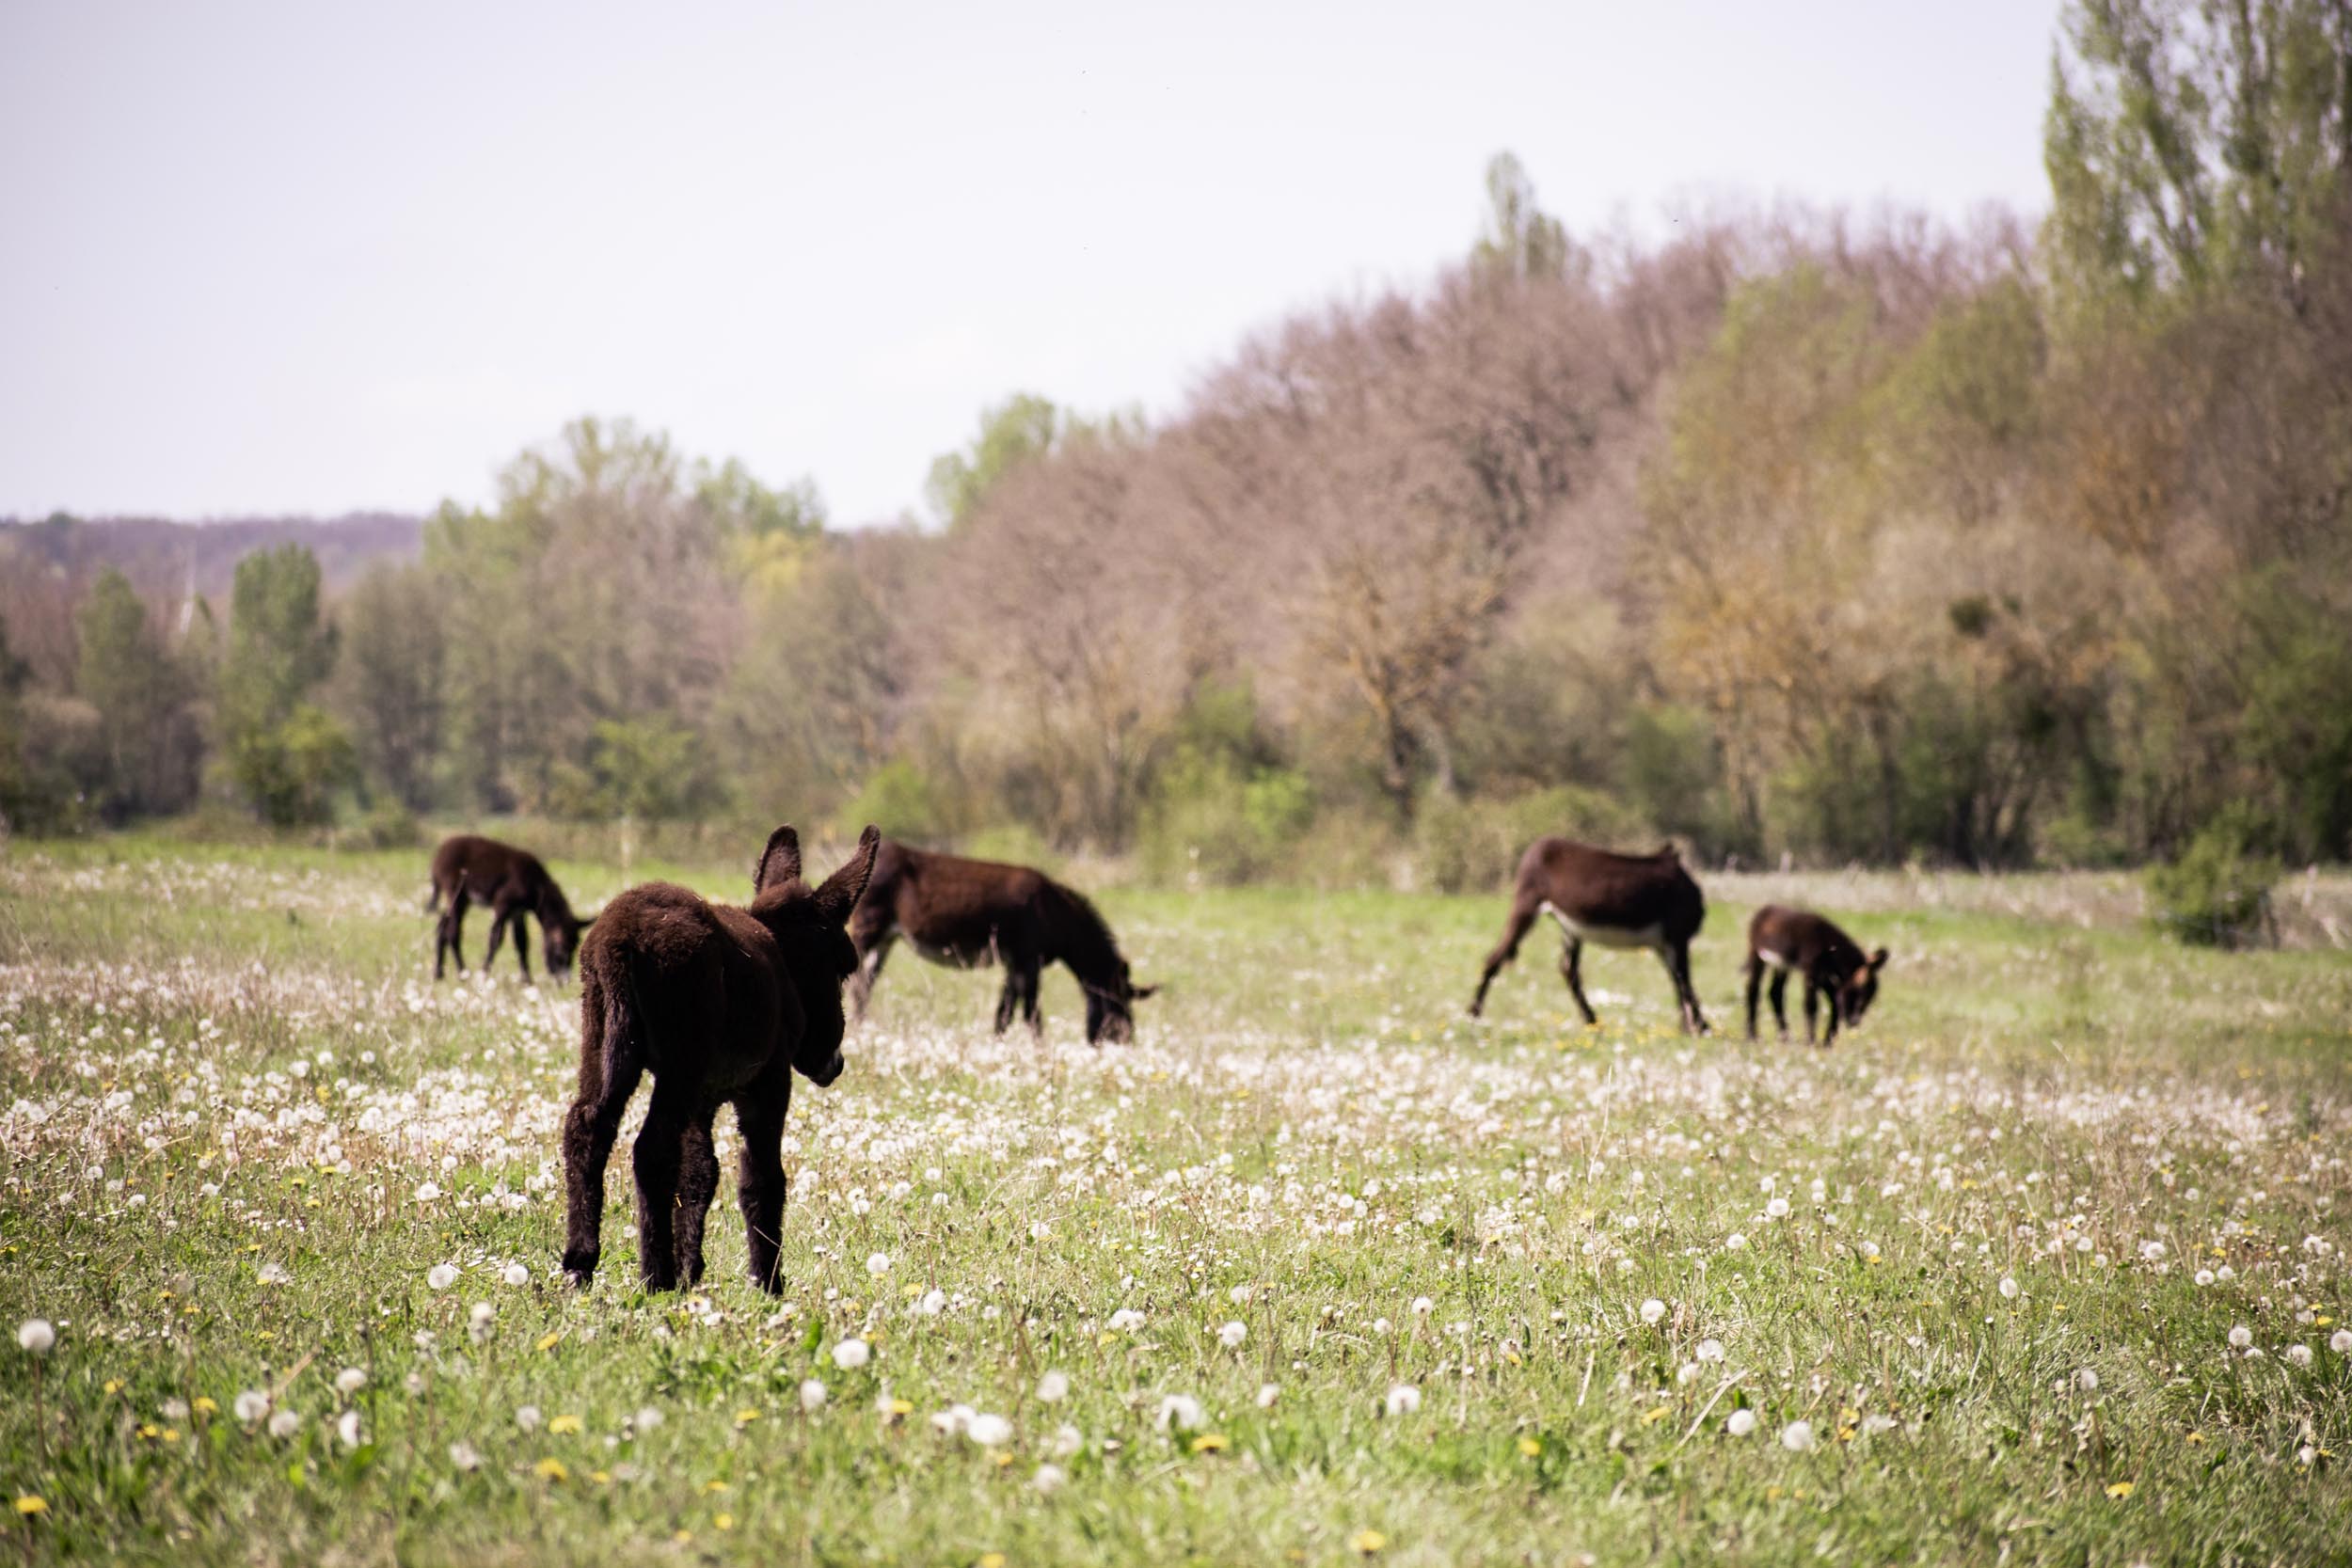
x,y
466,868
1615,900
1830,962
969,913
721,1005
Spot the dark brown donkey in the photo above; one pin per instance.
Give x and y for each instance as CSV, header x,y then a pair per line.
x,y
1615,900
721,1005
1831,963
971,914
468,869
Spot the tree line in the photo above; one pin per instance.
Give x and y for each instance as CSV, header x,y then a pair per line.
x,y
1790,533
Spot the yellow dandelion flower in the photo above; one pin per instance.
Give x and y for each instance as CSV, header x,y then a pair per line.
x,y
564,1426
723,1521
547,1341
746,1418
150,1430
712,1488
206,1406
991,1559
171,1434
551,1469
1368,1541
602,1477
1209,1442
114,1386
1651,1417
1531,1447
683,1538
28,1504
2121,1489
2196,1436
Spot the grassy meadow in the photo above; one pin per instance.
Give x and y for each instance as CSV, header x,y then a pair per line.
x,y
2047,1264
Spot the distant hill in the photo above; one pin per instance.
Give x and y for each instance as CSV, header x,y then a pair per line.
x,y
159,555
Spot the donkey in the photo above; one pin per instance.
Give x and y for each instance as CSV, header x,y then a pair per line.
x,y
969,913
1831,963
514,883
721,1005
1615,900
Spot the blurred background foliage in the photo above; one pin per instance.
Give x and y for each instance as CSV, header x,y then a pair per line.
x,y
1789,535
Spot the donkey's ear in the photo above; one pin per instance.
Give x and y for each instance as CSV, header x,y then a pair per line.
x,y
1878,960
845,887
780,863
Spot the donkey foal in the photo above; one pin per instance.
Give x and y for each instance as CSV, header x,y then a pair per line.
x,y
721,1005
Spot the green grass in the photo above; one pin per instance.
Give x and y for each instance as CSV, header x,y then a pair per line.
x,y
1308,1115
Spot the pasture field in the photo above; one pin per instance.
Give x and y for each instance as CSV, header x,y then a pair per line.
x,y
2047,1264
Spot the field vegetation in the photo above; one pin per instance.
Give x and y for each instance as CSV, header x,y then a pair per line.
x,y
2047,1261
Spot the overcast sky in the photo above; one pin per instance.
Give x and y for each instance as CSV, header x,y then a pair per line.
x,y
323,256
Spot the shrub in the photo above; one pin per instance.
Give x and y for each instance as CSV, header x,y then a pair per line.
x,y
1210,822
2218,892
899,799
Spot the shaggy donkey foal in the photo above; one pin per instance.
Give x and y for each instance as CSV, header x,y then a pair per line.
x,y
1831,963
721,1005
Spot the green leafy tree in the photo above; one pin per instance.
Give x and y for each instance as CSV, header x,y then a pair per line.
x,y
388,680
146,752
1022,427
1520,240
285,756
2196,141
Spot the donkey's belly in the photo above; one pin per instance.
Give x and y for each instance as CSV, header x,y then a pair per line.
x,y
955,955
1605,936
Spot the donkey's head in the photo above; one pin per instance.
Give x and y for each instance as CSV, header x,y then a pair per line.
x,y
559,941
1110,1008
811,927
1860,988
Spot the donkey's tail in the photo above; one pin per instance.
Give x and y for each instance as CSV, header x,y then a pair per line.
x,y
433,898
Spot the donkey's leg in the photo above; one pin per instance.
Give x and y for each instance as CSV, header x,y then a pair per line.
x,y
610,1067
1032,980
1572,971
456,927
498,938
1829,995
1812,1008
1780,1001
1678,965
698,1179
1523,911
660,1151
1008,1000
1755,987
868,971
522,946
760,1179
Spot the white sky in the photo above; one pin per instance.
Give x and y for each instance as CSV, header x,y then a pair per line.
x,y
319,256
